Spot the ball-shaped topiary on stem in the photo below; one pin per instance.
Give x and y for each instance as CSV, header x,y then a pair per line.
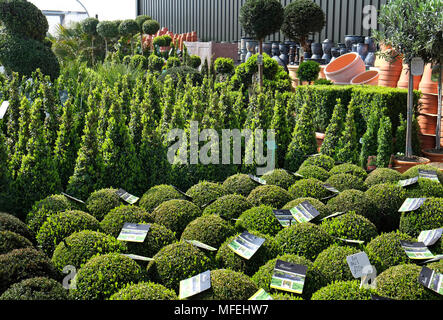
x,y
89,26
128,27
308,71
269,195
39,288
144,291
261,219
150,27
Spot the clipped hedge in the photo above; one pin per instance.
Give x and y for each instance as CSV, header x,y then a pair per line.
x,y
342,290
157,195
101,202
10,240
239,183
261,219
350,226
280,178
205,192
39,288
113,222
308,188
144,291
270,195
228,207
428,216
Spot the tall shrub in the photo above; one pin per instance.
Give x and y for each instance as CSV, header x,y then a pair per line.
x,y
348,146
369,139
334,130
384,141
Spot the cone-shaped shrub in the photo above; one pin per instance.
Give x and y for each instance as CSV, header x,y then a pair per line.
x,y
333,131
348,148
369,139
384,141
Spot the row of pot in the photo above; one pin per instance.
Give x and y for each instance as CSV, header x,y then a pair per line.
x,y
177,39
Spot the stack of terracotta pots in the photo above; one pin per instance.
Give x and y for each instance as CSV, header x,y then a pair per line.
x,y
389,72
177,39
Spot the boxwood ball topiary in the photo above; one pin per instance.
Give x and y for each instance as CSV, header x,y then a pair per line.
x,y
239,183
104,275
350,226
346,181
308,188
81,246
10,223
89,26
128,27
140,19
321,160
26,263
107,29
228,285
425,188
382,175
284,296
144,291
343,290
428,216
308,71
401,283
114,221
39,288
315,172
352,200
314,279
158,194
279,177
150,27
269,195
155,63
261,219
226,258
176,214
210,229
176,262
320,206
304,239
205,192
102,201
139,61
228,207
157,237
413,172
333,265
385,251
349,169
10,240
61,225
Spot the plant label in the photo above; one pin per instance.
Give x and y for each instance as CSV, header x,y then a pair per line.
x,y
431,280
246,245
209,203
261,295
411,204
417,66
195,285
72,198
260,59
284,217
351,241
137,257
182,193
201,245
304,212
288,277
434,259
3,108
357,262
63,94
416,250
133,232
330,188
257,179
428,174
129,198
333,215
408,182
429,237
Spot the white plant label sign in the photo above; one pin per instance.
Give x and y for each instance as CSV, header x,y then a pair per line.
x,y
417,66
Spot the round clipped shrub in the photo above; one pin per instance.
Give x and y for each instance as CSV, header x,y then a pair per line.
x,y
101,202
181,72
269,195
150,26
128,27
333,265
385,251
308,188
157,237
315,172
314,279
224,65
428,216
401,283
210,229
228,207
176,262
352,200
139,61
89,26
226,258
345,181
308,71
173,62
279,177
382,175
79,247
437,266
342,290
239,183
158,194
26,263
350,226
107,29
144,291
205,192
425,188
413,172
228,285
104,275
176,214
113,222
349,168
261,219
61,225
10,240
39,288
320,206
10,223
194,61
155,63
321,160
386,200
305,239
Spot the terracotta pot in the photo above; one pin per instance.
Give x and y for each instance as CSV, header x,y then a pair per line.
x,y
434,157
403,166
403,82
389,71
369,77
427,141
426,84
429,104
320,138
344,68
194,36
427,123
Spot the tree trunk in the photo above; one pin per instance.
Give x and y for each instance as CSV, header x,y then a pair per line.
x,y
141,43
438,129
261,65
92,50
106,48
408,152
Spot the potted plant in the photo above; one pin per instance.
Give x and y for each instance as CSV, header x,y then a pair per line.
x,y
308,71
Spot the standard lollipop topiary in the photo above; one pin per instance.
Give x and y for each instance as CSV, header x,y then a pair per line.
x,y
101,202
314,279
350,226
382,175
39,288
10,223
280,178
425,188
269,195
10,240
346,181
428,216
115,270
113,222
194,61
150,27
313,172
352,200
342,290
239,183
144,291
308,71
261,219
205,192
107,30
209,229
413,172
321,160
305,239
158,194
349,168
385,251
320,206
228,207
128,28
312,188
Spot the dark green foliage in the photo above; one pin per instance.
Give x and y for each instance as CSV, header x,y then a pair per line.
x,y
224,66
150,27
155,63
385,251
89,26
280,178
81,246
158,194
323,82
321,160
116,271
382,175
369,140
342,290
194,61
144,291
205,192
10,240
350,226
240,184
173,62
176,214
10,223
228,207
320,206
425,188
352,200
429,216
139,61
260,18
226,258
5,176
413,172
305,239
345,181
61,225
349,169
176,262
141,19
182,72
113,222
384,141
107,29
311,171
261,219
312,188
102,201
128,27
269,195
39,288
308,71
285,296
279,123
348,148
314,279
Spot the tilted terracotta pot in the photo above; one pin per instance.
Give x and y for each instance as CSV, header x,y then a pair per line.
x,y
389,71
344,68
